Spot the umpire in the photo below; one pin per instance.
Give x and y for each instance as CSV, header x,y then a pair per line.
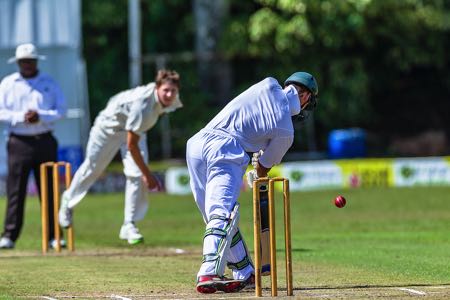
x,y
30,103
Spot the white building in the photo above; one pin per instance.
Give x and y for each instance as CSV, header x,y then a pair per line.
x,y
54,26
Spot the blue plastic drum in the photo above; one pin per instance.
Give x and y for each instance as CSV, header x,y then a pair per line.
x,y
347,143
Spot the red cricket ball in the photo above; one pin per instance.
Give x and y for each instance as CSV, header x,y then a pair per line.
x,y
340,201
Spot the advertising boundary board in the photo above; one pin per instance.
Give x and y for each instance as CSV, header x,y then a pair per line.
x,y
344,174
309,175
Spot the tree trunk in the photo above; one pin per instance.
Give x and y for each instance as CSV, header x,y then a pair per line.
x,y
213,70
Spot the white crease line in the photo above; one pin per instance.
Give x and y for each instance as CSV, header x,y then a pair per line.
x,y
219,298
416,292
48,298
119,297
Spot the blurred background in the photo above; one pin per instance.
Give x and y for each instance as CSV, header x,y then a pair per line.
x,y
382,66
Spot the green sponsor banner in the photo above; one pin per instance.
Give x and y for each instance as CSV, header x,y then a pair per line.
x,y
345,173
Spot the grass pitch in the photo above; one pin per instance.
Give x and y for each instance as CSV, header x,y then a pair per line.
x,y
386,243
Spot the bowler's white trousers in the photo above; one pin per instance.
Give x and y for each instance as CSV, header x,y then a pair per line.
x,y
217,164
101,149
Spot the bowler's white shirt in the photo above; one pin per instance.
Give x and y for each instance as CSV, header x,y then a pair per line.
x,y
260,119
136,110
19,95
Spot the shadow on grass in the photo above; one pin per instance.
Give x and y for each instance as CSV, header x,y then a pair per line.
x,y
281,250
301,250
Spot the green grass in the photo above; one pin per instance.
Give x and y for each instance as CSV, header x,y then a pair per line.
x,y
382,238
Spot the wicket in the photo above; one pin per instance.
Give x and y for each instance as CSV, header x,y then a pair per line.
x,y
54,166
257,235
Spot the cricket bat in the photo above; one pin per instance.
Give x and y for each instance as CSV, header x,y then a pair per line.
x,y
265,239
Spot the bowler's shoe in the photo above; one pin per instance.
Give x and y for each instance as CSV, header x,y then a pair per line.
x,y
131,233
62,243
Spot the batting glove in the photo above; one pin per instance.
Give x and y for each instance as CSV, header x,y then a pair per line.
x,y
255,158
251,176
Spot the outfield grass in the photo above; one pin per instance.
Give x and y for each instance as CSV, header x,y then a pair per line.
x,y
383,238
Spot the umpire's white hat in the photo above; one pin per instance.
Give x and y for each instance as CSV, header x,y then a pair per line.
x,y
25,51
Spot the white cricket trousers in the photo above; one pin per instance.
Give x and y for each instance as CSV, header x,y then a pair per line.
x,y
217,164
101,149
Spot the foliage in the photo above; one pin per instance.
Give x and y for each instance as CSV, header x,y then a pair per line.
x,y
371,58
105,25
104,35
381,65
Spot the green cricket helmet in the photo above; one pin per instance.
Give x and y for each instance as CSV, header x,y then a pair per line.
x,y
308,81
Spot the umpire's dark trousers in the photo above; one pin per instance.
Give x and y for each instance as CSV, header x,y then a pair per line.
x,y
25,154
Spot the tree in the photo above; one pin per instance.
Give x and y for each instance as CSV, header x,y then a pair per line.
x,y
376,61
381,65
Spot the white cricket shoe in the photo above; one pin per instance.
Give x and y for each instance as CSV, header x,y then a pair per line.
x,y
65,213
62,243
6,243
131,233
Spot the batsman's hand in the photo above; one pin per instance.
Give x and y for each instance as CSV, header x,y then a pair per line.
x,y
255,158
152,183
251,176
31,117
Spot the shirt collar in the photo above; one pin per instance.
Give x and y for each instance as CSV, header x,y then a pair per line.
x,y
294,102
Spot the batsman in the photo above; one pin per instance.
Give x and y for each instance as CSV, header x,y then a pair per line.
x,y
259,120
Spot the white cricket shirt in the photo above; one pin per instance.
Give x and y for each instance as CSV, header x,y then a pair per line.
x,y
19,95
260,119
136,110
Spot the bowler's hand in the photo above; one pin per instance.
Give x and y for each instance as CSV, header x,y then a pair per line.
x,y
31,117
152,183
